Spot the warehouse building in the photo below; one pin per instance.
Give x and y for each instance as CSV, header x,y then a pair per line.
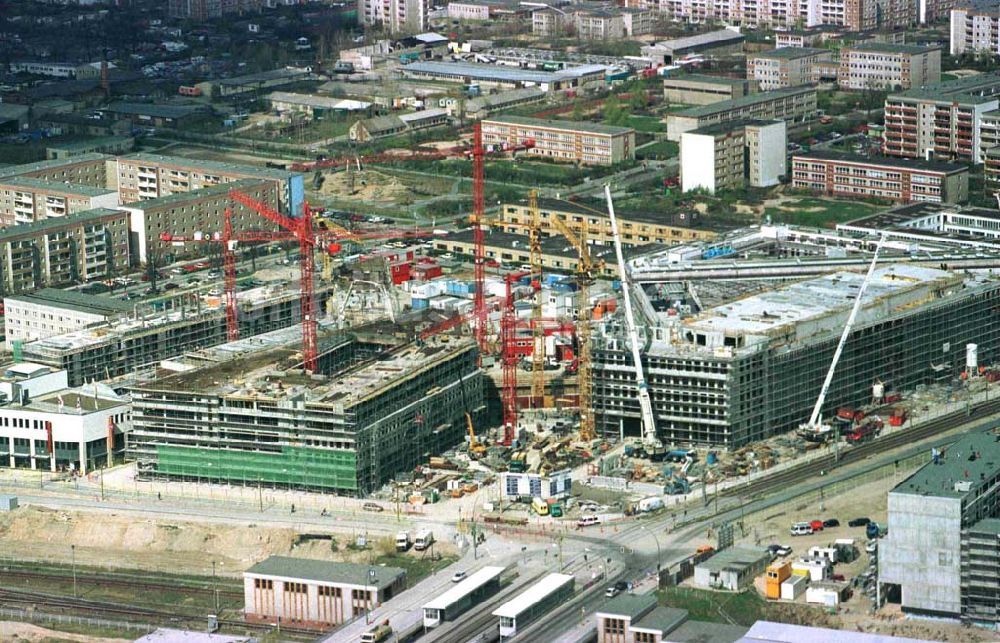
x,y
488,76
301,592
100,145
941,549
24,200
636,228
312,106
699,89
751,367
902,181
483,106
127,346
183,214
723,42
733,155
64,250
370,412
587,143
46,425
150,176
50,311
794,105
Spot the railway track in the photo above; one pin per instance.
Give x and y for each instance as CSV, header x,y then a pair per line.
x,y
827,463
87,579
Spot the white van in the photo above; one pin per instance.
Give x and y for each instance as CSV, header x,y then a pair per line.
x,y
587,521
802,529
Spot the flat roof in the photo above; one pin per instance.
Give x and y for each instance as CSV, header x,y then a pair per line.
x,y
771,632
729,126
221,166
883,161
711,37
41,166
83,400
464,588
631,605
739,556
59,187
158,110
889,48
90,143
325,571
743,101
661,619
706,632
483,71
987,526
705,78
196,195
771,312
790,53
74,300
577,126
956,470
533,595
264,76
974,89
324,102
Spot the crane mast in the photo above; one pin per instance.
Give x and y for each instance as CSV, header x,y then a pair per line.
x,y
645,403
814,426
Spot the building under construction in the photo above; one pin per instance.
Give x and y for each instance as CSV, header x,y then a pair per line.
x,y
751,368
248,414
141,341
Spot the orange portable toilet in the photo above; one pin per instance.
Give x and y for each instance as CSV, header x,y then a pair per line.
x,y
776,575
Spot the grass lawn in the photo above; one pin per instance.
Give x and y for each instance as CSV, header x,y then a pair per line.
x,y
811,211
646,124
661,150
704,605
417,566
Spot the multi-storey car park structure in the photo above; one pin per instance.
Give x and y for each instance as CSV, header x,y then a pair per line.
x,y
255,417
751,368
944,528
137,343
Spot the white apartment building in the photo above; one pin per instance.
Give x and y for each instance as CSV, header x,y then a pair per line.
x,y
785,67
877,66
45,425
395,16
731,156
856,15
974,28
25,200
49,311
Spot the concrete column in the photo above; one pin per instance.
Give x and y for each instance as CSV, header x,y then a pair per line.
x,y
31,453
82,454
10,446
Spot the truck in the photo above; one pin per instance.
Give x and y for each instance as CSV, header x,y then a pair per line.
x,y
865,431
540,506
651,503
403,541
423,540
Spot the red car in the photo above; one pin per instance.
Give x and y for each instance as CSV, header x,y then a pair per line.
x,y
817,525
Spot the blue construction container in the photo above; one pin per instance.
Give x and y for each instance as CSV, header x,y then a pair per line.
x,y
418,303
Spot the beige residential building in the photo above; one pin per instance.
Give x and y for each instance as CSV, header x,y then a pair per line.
x,y
85,169
855,15
395,16
699,89
550,23
587,143
784,67
23,200
975,27
879,66
598,24
794,105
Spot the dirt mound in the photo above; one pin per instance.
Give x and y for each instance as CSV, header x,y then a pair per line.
x,y
27,633
366,185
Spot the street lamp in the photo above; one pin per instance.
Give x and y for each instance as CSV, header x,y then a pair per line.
x,y
657,541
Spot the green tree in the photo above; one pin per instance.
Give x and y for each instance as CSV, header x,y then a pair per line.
x,y
577,114
613,112
637,101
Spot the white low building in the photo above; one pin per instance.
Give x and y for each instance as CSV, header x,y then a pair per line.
x,y
44,425
557,484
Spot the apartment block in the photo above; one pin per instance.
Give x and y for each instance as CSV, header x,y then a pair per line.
x,y
855,15
941,121
85,169
975,27
794,105
784,67
941,549
51,311
550,23
991,168
880,66
587,143
202,10
902,181
395,16
202,211
64,250
731,156
150,176
24,200
598,24
637,228
699,89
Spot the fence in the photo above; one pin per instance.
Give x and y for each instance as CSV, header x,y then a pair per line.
x,y
34,616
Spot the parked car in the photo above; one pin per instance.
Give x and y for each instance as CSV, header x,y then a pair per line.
x,y
784,550
621,586
858,522
802,529
839,577
458,577
170,286
817,525
373,506
831,522
611,592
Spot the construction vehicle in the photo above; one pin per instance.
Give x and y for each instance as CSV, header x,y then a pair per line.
x,y
476,448
815,430
650,442
518,462
865,431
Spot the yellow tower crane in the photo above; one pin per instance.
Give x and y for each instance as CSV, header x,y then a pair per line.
x,y
586,271
538,330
